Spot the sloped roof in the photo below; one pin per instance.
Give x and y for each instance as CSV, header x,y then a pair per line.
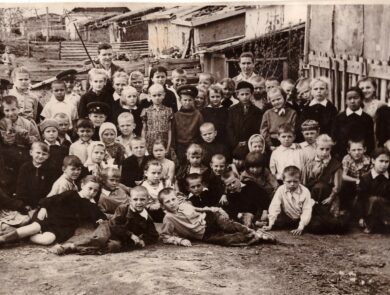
x,y
99,9
96,20
176,11
134,13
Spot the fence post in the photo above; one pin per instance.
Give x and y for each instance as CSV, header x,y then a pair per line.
x,y
59,50
28,48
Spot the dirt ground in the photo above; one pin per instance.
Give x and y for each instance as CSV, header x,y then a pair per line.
x,y
352,264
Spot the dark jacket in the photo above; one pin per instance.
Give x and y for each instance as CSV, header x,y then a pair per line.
x,y
91,96
219,117
323,115
205,199
117,109
132,171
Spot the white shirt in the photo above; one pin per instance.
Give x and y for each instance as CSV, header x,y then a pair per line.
x,y
54,107
315,101
241,77
349,112
116,96
375,174
282,157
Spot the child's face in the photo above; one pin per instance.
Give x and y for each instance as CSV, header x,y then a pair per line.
x,y
319,91
69,84
257,146
381,163
246,65
159,151
22,81
105,56
323,150
11,111
138,148
244,95
215,99
288,88
286,139
108,136
157,96
72,172
89,189
153,174
159,78
63,123
218,166
85,134
97,119
130,98
353,100
204,83
269,84
38,155
97,82
368,89
98,154
259,90
77,88
58,91
291,182
138,201
356,150
194,159
200,100
226,91
232,184
208,134
119,84
187,102
171,202
50,134
310,136
255,170
137,84
178,80
195,186
126,126
111,182
277,100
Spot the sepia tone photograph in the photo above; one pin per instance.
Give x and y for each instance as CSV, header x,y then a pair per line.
x,y
194,148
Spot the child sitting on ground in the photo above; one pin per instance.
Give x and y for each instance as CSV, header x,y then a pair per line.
x,y
160,153
126,127
310,130
183,222
199,195
209,144
84,130
115,151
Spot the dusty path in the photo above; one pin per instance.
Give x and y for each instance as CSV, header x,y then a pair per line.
x,y
355,264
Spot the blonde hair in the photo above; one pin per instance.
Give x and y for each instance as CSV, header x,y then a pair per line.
x,y
325,139
119,75
321,79
19,70
96,72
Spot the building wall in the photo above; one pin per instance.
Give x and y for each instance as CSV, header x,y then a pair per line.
x,y
135,33
98,35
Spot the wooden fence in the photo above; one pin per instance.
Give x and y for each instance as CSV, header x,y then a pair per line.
x,y
344,71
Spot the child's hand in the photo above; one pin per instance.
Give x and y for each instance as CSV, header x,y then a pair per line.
x,y
42,214
297,232
137,241
185,243
267,227
362,223
223,200
100,221
327,201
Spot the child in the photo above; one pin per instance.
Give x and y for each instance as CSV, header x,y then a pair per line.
x,y
215,113
292,204
374,192
194,164
301,95
239,154
256,170
84,130
136,79
59,216
244,118
95,161
71,167
69,78
201,99
34,179
199,195
209,144
154,183
158,76
256,143
245,202
98,113
115,151
186,121
128,102
119,81
24,132
97,79
228,88
159,153
355,164
370,103
157,119
58,103
133,166
320,109
205,80
179,78
215,184
63,129
287,154
182,221
278,115
247,66
29,105
9,60
310,130
353,123
112,194
271,82
288,86
259,98
126,126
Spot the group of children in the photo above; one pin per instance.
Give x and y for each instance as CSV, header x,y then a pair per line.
x,y
218,162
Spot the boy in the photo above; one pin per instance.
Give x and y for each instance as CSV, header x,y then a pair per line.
x,y
126,127
259,94
34,179
98,113
186,121
214,181
84,130
244,118
247,66
119,81
291,204
205,80
104,62
374,193
63,123
199,195
71,167
288,86
209,144
58,104
133,166
271,82
69,78
310,130
179,78
287,154
30,108
353,123
182,222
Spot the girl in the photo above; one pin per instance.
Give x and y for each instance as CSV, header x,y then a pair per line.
x,y
228,89
158,75
256,143
370,103
119,81
96,153
59,216
114,150
201,99
168,166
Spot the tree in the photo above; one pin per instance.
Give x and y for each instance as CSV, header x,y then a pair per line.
x,y
10,18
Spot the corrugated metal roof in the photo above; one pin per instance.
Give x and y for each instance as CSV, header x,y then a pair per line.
x,y
133,13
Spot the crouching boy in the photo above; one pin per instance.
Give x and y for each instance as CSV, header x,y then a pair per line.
x,y
183,222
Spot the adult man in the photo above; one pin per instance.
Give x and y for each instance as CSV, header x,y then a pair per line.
x,y
247,65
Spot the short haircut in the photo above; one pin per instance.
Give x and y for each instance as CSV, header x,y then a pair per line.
x,y
84,123
325,139
287,82
179,72
58,82
231,85
61,116
136,139
286,128
139,189
157,87
128,88
228,173
367,79
357,90
215,88
119,75
247,54
19,70
380,151
271,78
240,152
160,141
104,46
194,149
10,99
257,79
115,172
255,159
291,171
207,76
321,79
356,139
302,84
207,125
277,89
218,157
91,178
136,75
309,125
254,139
73,161
193,176
97,72
125,116
40,145
164,192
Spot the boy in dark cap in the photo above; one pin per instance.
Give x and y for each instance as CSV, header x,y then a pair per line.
x,y
186,122
69,78
97,113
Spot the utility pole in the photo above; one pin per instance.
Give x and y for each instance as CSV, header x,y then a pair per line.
x,y
47,24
